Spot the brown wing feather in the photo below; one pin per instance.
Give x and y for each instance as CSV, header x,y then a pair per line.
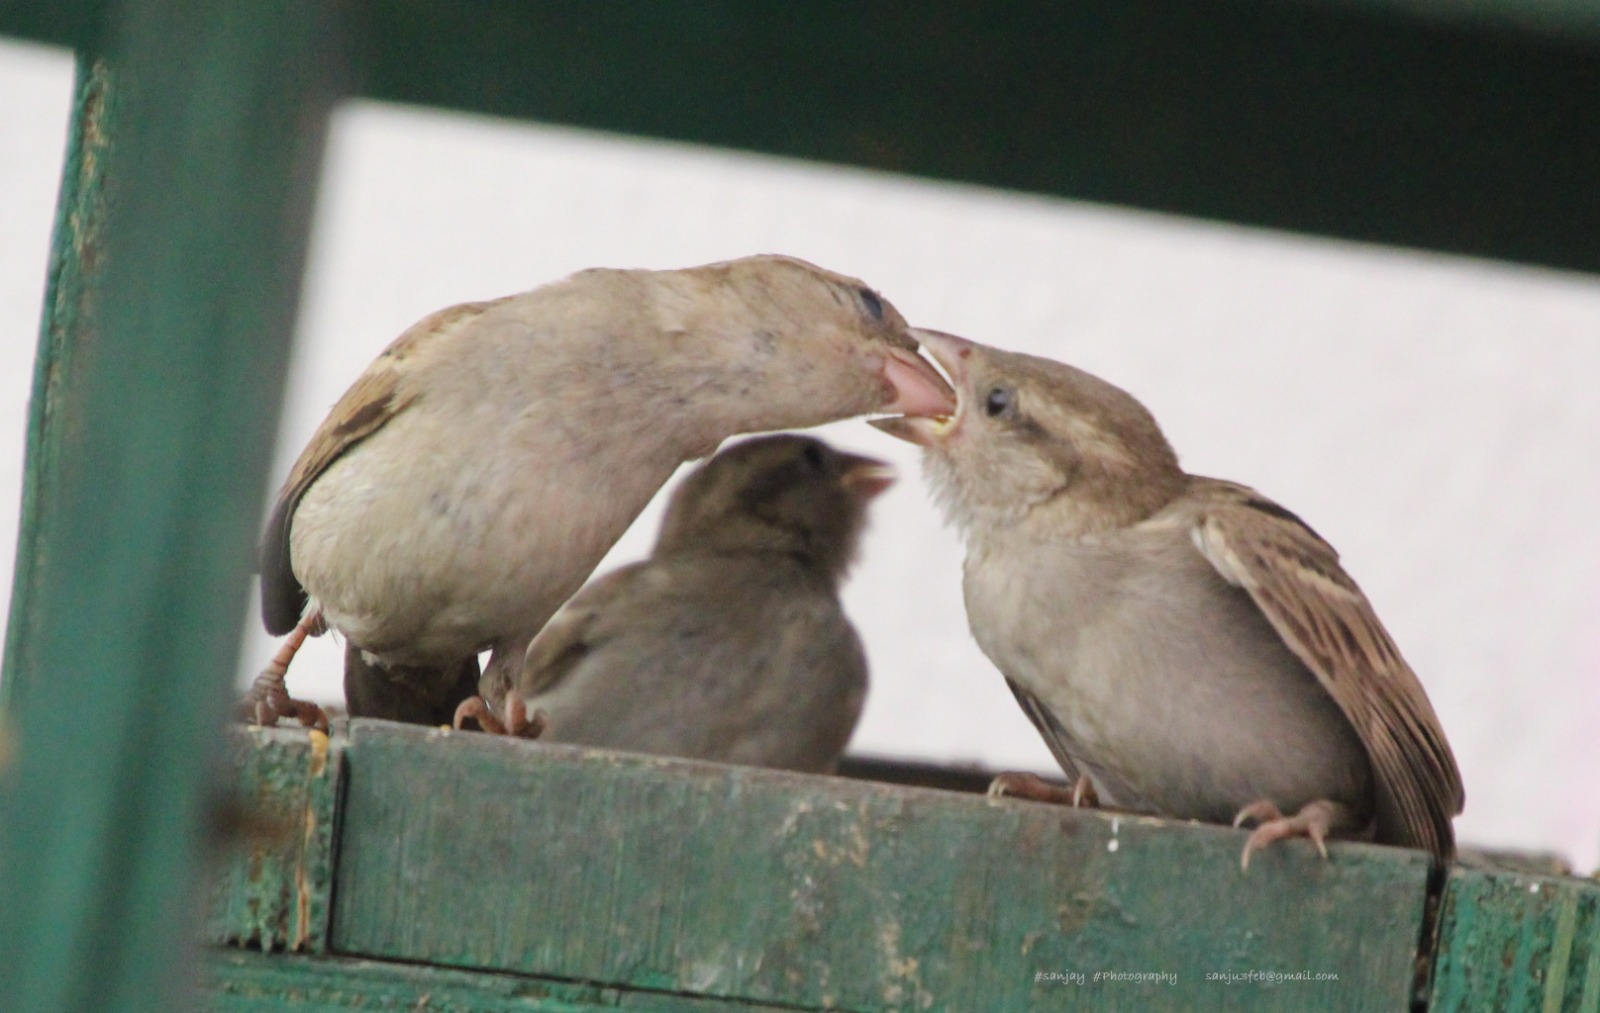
x,y
366,407
1295,578
1049,729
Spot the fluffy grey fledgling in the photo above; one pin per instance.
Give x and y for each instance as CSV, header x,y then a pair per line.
x,y
729,642
1188,646
476,473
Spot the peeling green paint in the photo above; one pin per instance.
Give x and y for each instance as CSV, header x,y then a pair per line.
x,y
273,893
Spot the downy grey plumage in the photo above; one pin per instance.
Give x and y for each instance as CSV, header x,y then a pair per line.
x,y
729,642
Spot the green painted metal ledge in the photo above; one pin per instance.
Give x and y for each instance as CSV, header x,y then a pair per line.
x,y
412,868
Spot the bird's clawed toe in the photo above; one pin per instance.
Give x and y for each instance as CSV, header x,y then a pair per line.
x,y
1020,784
1083,794
268,700
518,722
268,712
1259,811
1314,821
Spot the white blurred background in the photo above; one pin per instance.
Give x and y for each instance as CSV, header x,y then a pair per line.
x,y
1436,418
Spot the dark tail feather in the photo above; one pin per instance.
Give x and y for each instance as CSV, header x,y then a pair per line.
x,y
415,694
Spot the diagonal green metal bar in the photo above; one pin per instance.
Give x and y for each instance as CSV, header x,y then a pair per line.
x,y
177,267
73,257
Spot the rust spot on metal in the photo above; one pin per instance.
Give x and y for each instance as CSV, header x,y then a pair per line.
x,y
90,198
1071,917
302,888
1030,835
319,753
316,768
94,103
904,987
258,858
854,848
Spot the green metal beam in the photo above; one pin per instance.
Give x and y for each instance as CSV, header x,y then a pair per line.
x,y
1572,19
1319,119
74,258
1468,127
177,266
75,22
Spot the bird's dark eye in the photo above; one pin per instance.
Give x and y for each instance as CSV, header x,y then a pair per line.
x,y
874,305
813,455
998,401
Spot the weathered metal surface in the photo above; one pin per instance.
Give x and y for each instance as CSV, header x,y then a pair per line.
x,y
250,983
510,876
67,321
475,852
1518,944
179,261
273,891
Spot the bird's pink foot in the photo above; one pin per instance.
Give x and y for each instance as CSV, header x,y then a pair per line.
x,y
1019,784
1315,821
518,722
268,700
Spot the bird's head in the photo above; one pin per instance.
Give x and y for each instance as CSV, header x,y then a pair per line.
x,y
805,345
785,493
1029,432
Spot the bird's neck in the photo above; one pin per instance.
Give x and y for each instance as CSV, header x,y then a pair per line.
x,y
1097,507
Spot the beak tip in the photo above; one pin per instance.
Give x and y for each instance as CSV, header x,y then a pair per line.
x,y
868,481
